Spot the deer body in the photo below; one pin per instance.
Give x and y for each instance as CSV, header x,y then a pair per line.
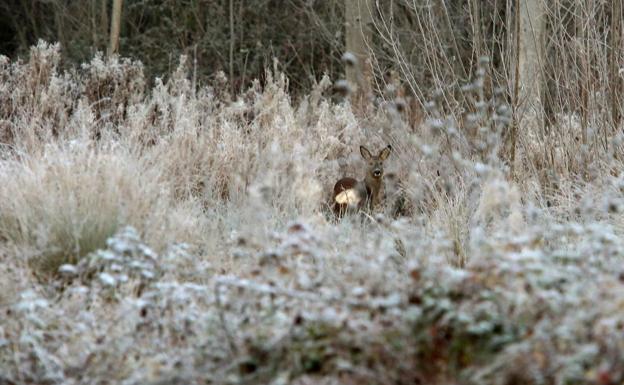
x,y
350,193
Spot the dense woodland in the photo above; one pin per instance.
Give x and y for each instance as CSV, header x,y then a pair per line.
x,y
168,192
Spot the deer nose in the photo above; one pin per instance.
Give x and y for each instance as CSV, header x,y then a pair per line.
x,y
377,173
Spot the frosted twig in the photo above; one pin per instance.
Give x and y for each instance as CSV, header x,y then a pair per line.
x,y
228,335
297,294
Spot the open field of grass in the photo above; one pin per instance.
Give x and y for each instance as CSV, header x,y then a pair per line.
x,y
178,235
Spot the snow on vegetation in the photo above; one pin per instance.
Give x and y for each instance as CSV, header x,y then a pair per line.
x,y
174,236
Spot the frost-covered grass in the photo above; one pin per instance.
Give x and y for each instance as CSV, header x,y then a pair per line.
x,y
174,235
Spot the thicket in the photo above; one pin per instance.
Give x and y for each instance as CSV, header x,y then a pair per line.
x,y
235,271
169,230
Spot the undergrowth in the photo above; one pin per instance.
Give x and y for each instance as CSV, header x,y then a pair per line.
x,y
175,235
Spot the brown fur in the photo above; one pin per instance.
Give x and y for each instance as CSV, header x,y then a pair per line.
x,y
365,192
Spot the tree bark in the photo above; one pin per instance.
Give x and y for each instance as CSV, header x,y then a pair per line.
x,y
531,28
615,49
358,24
232,40
585,81
115,27
103,26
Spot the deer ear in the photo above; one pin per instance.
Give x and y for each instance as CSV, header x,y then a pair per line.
x,y
385,153
365,153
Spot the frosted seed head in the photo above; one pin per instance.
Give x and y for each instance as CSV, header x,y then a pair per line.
x,y
349,59
342,87
107,279
68,270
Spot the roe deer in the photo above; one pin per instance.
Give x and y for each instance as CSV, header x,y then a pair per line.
x,y
350,193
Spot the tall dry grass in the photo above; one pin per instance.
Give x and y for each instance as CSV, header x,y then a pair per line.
x,y
234,270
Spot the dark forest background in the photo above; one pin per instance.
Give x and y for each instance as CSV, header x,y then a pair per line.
x,y
552,58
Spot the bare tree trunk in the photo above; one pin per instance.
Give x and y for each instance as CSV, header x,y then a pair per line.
x,y
585,83
615,49
531,28
477,37
115,27
358,22
103,26
232,40
94,28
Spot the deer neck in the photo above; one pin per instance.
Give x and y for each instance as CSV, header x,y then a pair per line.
x,y
373,185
